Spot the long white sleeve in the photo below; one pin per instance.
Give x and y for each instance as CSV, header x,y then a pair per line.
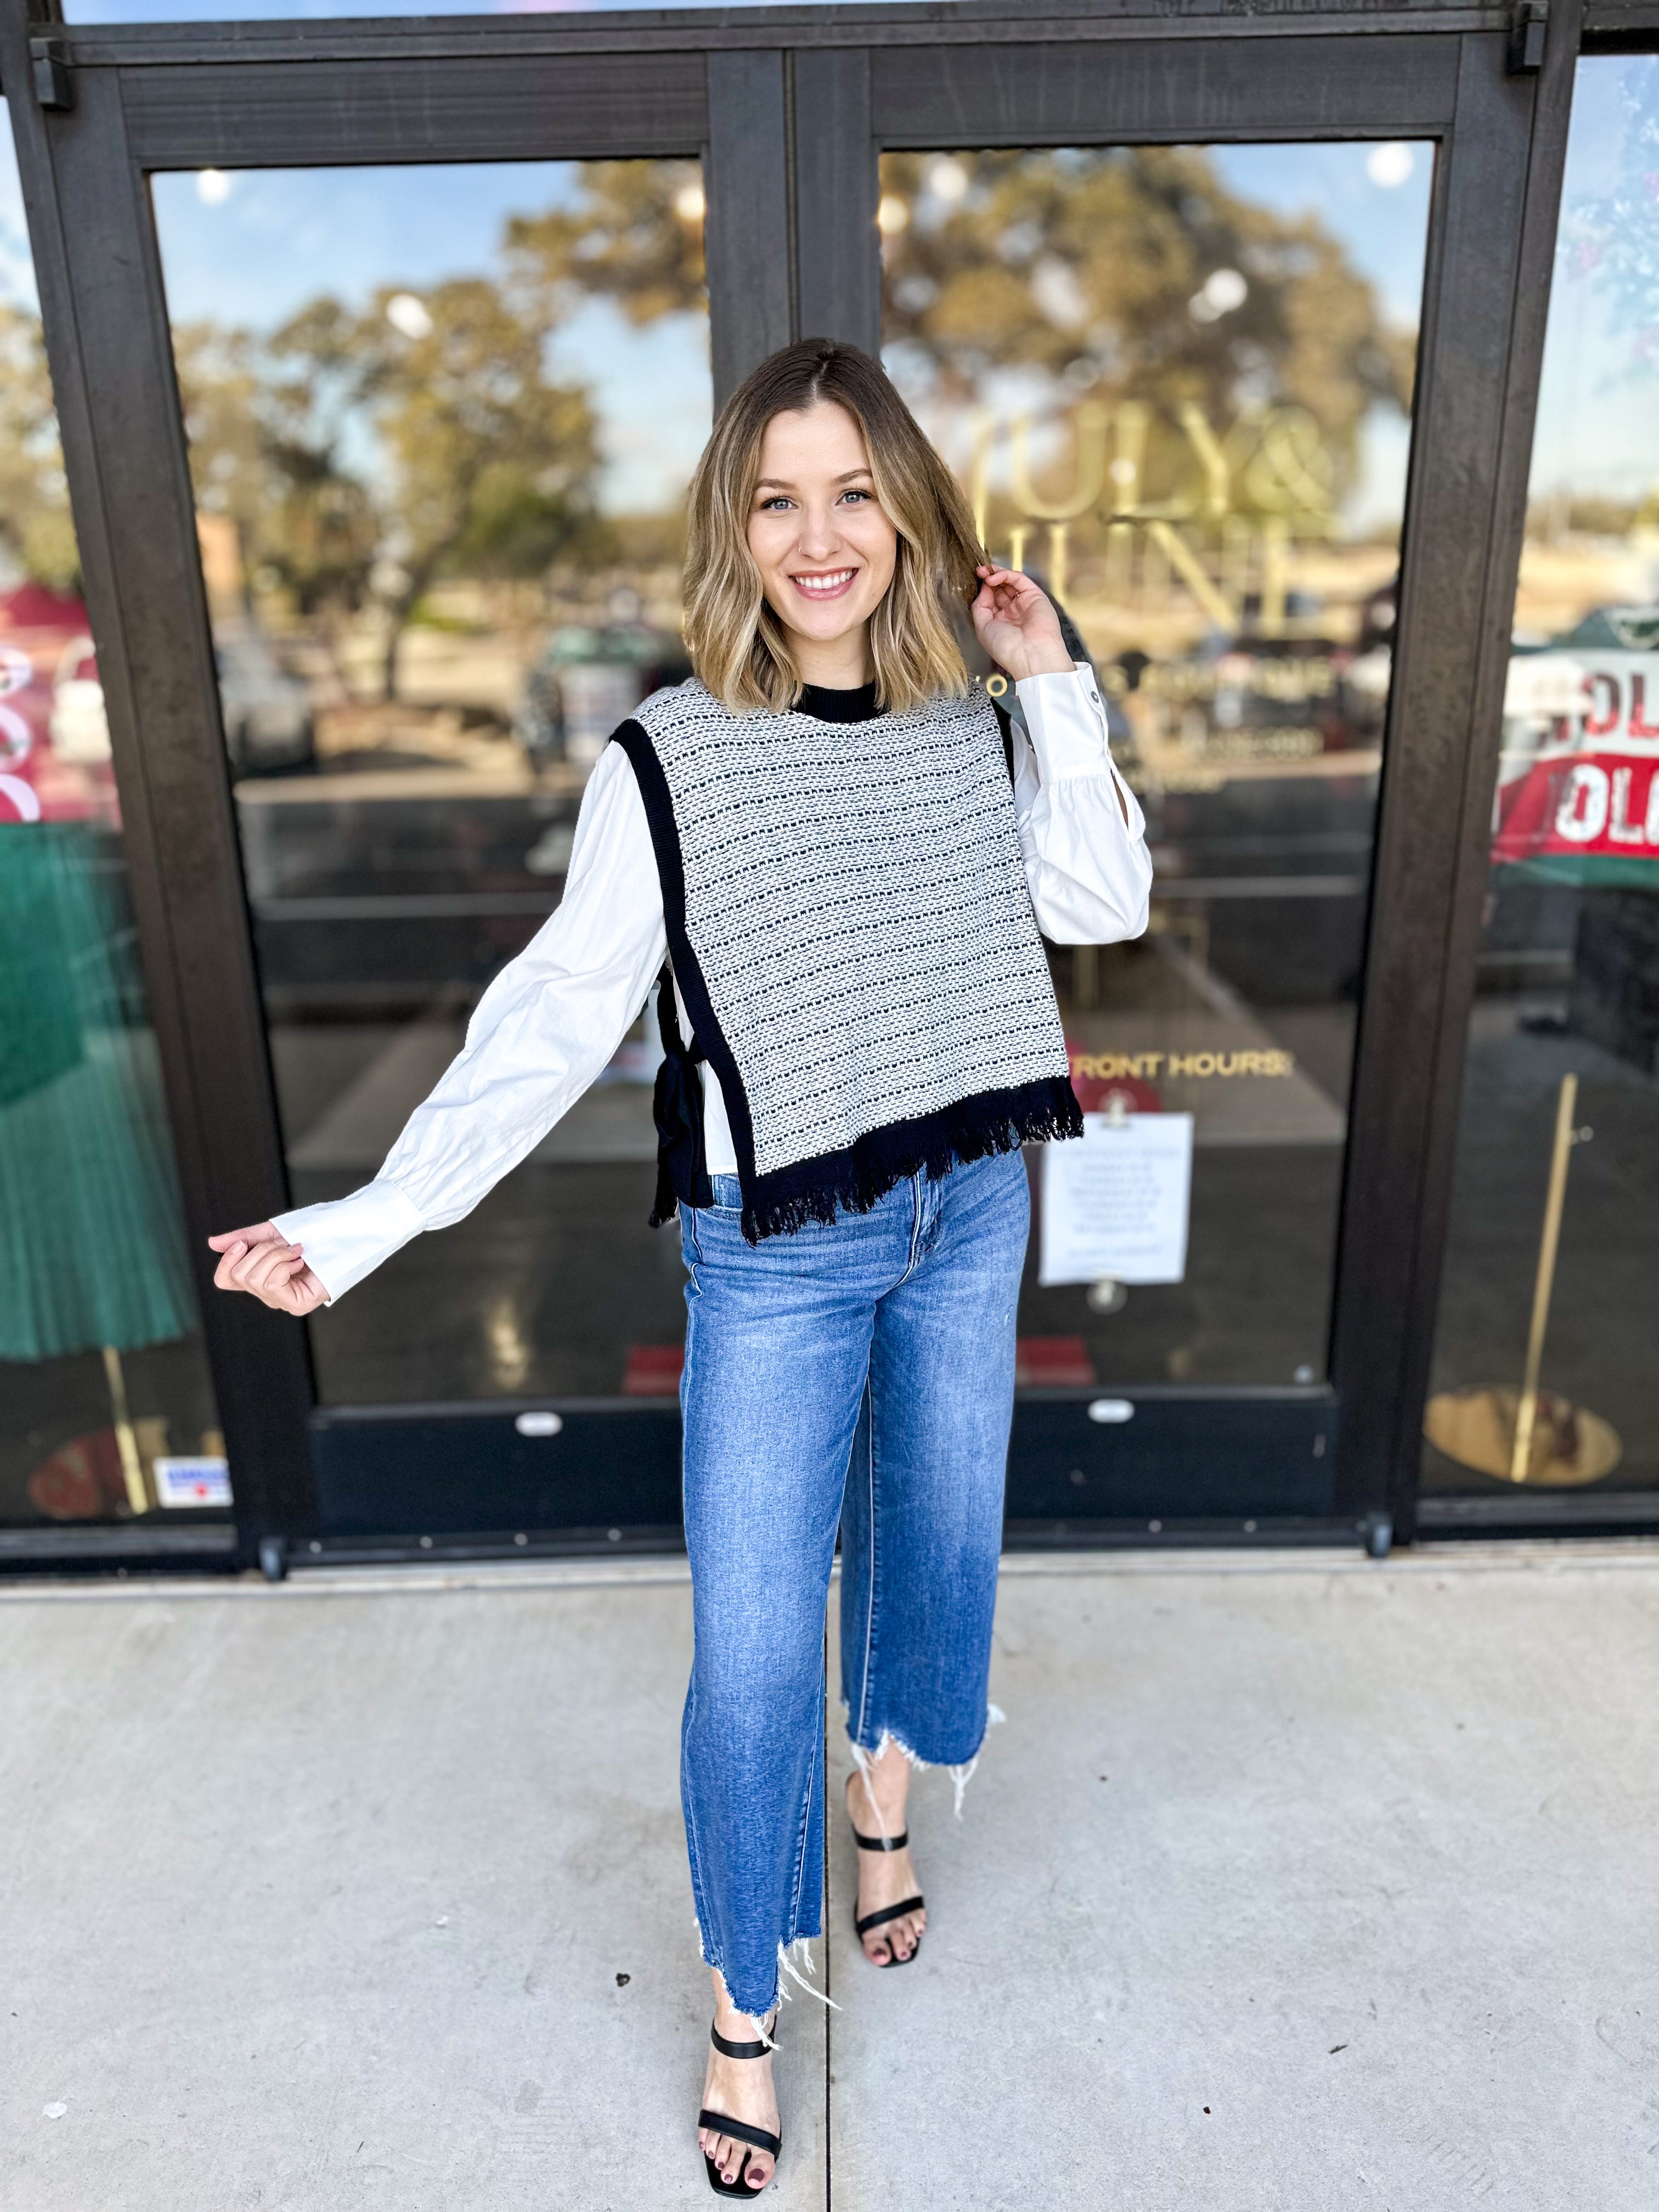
x,y
1080,826
546,1026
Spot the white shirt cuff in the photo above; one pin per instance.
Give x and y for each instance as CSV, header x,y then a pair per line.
x,y
346,1238
1066,723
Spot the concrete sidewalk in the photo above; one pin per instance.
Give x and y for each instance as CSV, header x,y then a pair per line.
x,y
1292,1882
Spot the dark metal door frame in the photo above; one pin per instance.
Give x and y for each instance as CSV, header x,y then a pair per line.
x,y
790,109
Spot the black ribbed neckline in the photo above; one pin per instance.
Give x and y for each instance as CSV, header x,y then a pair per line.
x,y
827,704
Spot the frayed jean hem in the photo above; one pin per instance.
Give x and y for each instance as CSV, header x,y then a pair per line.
x,y
865,1755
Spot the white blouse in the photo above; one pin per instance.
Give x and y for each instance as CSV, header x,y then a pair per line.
x,y
550,1022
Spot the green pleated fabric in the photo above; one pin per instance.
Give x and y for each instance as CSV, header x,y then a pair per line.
x,y
92,1250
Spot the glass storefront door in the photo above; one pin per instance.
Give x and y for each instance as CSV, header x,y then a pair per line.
x,y
1544,1388
441,424
1176,383
106,1408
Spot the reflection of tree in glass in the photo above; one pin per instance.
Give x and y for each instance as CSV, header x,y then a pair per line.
x,y
1133,272
476,462
635,238
265,427
483,467
36,534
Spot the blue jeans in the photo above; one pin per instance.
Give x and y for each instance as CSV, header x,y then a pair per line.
x,y
859,1374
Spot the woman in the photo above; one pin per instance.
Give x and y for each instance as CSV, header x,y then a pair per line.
x,y
822,832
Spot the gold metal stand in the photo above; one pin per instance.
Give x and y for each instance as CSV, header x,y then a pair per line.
x,y
126,1438
1528,1436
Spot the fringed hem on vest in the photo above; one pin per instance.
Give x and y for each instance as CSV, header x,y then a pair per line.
x,y
856,1180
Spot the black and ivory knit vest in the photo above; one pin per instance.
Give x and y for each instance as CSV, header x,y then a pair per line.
x,y
849,924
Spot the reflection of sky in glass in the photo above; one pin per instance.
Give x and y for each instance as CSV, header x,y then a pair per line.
x,y
1376,200
1598,410
1382,226
258,244
16,267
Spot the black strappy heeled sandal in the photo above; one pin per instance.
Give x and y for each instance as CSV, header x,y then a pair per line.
x,y
861,1928
739,2130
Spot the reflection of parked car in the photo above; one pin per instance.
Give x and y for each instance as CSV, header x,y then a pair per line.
x,y
586,682
266,712
79,727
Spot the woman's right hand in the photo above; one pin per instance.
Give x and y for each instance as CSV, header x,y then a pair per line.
x,y
258,1260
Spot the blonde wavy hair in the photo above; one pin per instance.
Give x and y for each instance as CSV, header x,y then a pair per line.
x,y
737,643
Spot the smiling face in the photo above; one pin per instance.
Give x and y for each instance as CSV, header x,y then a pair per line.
x,y
824,549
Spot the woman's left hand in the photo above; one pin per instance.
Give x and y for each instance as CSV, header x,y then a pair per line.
x,y
1017,627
